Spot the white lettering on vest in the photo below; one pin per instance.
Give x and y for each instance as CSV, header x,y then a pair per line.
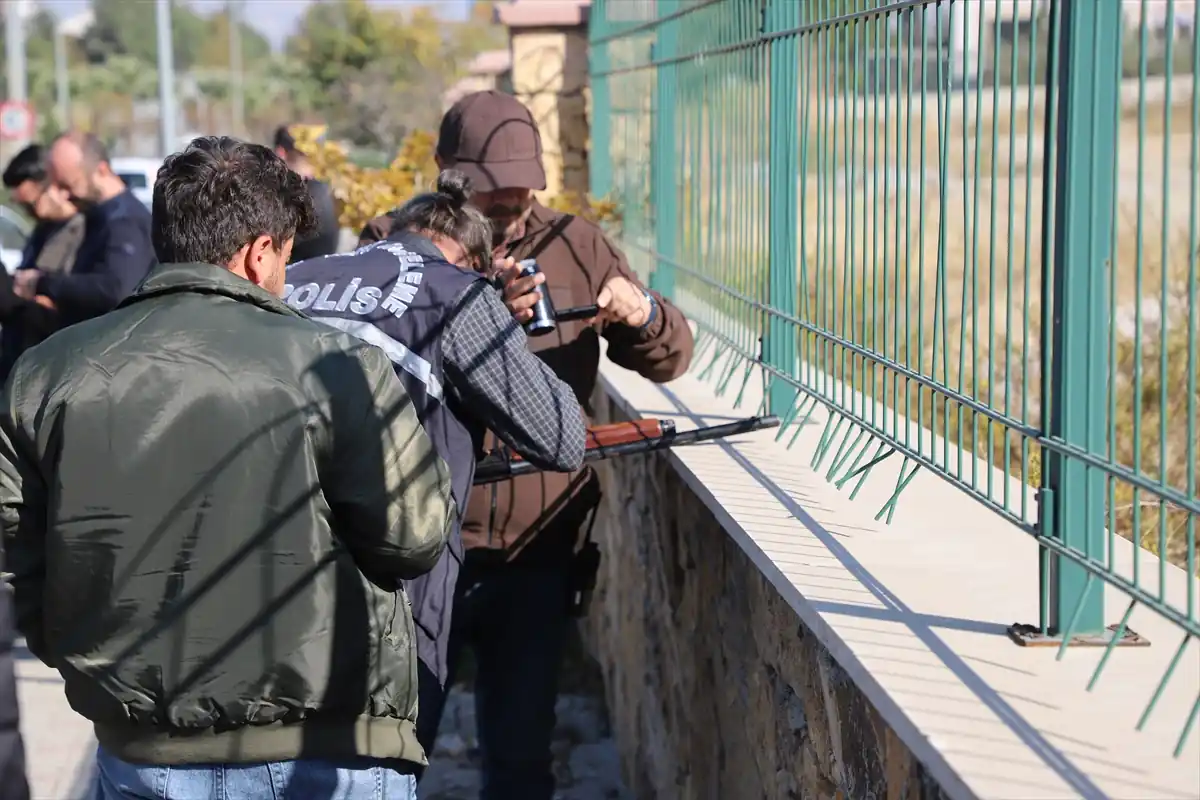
x,y
348,295
366,300
358,299
303,297
323,302
402,295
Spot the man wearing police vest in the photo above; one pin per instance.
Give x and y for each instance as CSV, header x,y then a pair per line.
x,y
421,298
525,559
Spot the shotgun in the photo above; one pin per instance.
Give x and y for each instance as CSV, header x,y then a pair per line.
x,y
621,439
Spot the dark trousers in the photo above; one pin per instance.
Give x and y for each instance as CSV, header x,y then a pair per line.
x,y
514,617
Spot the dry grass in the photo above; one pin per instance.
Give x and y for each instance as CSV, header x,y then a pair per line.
x,y
941,271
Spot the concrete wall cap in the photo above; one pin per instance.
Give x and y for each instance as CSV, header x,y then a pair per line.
x,y
543,13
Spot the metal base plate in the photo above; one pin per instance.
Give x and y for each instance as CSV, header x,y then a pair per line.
x,y
1032,636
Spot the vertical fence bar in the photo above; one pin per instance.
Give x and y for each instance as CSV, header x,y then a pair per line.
x,y
1087,138
600,177
665,151
779,336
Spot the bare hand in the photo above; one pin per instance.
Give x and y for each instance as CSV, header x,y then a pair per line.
x,y
622,301
45,302
520,294
25,283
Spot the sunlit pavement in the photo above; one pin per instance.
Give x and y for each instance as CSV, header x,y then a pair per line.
x,y
60,747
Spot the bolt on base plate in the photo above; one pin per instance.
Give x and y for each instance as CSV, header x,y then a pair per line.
x,y
1032,636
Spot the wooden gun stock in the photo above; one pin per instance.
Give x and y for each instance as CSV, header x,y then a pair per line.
x,y
621,433
621,438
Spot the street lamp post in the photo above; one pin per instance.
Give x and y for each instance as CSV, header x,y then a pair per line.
x,y
14,43
235,66
65,30
166,77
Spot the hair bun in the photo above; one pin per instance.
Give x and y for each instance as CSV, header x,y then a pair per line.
x,y
454,185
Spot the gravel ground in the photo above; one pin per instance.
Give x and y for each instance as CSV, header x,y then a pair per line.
x,y
585,756
586,764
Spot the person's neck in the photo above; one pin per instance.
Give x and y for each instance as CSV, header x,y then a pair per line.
x,y
110,189
514,231
302,168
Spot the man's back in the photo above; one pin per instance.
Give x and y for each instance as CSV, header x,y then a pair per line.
x,y
198,573
324,241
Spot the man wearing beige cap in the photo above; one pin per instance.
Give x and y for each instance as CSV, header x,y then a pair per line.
x,y
528,552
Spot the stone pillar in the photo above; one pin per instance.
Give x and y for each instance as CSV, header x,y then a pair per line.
x,y
548,40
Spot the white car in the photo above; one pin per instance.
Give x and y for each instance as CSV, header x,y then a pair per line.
x,y
139,175
14,231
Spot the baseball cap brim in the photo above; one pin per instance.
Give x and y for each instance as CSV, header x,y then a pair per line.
x,y
485,177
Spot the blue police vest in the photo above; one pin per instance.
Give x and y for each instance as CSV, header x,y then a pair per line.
x,y
398,295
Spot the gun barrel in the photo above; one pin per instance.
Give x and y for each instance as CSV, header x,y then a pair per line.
x,y
578,312
491,470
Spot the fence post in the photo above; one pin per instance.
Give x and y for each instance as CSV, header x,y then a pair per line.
x,y
664,158
1078,373
600,176
779,336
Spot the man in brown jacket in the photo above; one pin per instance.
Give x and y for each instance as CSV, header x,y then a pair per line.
x,y
515,594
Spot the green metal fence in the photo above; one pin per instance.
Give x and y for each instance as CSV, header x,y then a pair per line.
x,y
980,216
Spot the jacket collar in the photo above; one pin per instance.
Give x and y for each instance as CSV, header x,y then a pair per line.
x,y
166,279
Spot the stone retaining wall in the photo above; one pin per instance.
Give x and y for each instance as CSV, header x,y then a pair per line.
x,y
715,689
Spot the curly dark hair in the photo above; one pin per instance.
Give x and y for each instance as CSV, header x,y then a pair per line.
x,y
221,194
445,213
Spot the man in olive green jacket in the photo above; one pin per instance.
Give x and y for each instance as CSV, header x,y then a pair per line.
x,y
209,503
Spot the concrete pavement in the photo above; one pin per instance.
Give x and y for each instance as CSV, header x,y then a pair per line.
x,y
59,744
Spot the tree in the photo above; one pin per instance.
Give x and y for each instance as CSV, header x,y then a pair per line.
x,y
380,73
213,51
478,33
127,28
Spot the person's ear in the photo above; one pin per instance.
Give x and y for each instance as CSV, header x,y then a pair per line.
x,y
259,260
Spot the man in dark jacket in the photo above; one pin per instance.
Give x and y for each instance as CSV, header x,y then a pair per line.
x,y
523,536
209,503
324,240
116,252
51,248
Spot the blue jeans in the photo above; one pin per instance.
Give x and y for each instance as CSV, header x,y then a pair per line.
x,y
279,780
514,617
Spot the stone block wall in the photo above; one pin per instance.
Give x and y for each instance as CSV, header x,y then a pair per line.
x,y
715,689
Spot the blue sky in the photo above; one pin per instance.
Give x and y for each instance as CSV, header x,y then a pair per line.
x,y
274,18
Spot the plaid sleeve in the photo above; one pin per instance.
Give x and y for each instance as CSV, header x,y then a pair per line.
x,y
508,388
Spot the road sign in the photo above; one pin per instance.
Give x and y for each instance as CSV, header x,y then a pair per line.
x,y
17,121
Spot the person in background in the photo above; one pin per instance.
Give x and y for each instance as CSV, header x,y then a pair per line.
x,y
58,225
209,503
51,249
465,361
116,252
524,555
324,241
